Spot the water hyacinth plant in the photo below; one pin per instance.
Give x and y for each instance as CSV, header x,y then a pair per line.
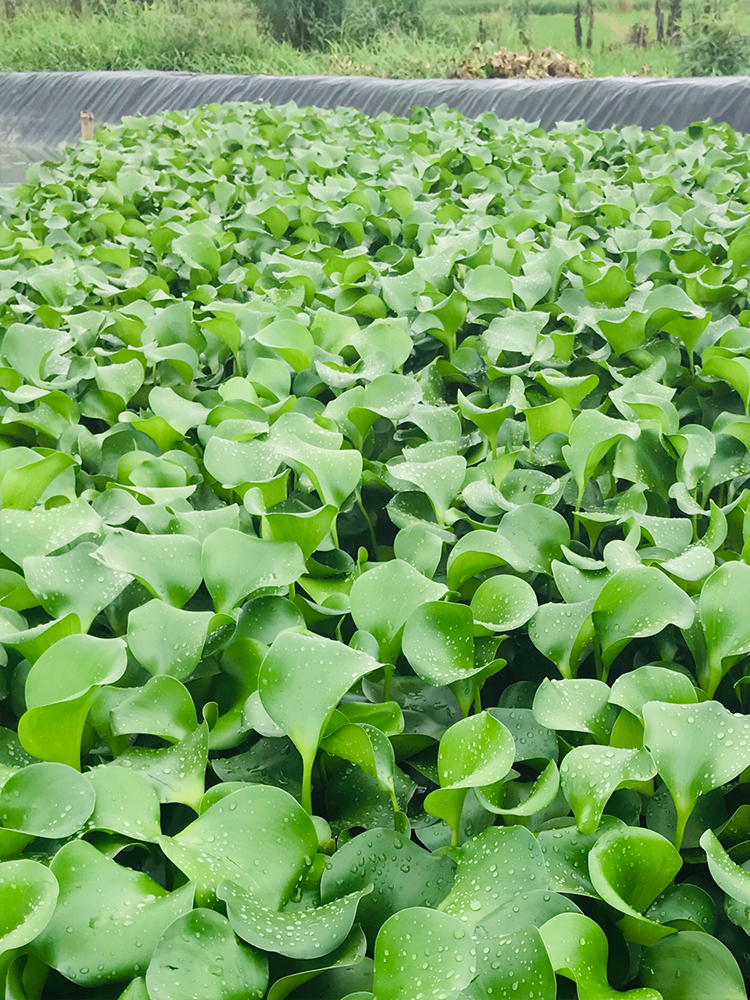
x,y
374,534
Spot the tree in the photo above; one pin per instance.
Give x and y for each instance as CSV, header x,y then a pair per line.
x,y
578,26
590,35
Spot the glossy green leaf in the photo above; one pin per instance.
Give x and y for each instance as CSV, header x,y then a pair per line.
x,y
578,949
46,800
383,599
302,934
638,602
28,893
301,681
503,603
512,966
236,566
590,774
691,965
445,953
178,966
60,688
221,844
695,748
494,867
438,642
629,867
402,875
117,916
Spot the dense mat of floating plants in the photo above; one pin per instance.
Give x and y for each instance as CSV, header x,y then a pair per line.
x,y
374,584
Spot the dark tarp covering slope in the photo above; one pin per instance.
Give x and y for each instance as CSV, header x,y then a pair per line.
x,y
40,111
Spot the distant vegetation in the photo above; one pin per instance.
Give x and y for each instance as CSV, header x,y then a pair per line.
x,y
398,38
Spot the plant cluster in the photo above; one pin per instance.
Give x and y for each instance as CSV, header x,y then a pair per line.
x,y
374,581
715,44
314,24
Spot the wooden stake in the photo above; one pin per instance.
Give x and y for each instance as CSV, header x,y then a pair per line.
x,y
87,125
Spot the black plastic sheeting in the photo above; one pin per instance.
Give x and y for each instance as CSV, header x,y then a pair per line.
x,y
39,112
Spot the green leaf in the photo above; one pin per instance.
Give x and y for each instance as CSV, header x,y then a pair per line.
x,y
383,598
162,707
494,867
223,844
503,603
117,916
197,251
167,565
177,772
402,875
179,967
125,803
635,689
731,878
74,583
629,868
438,642
236,566
541,794
445,953
28,894
691,966
578,949
591,436
167,640
301,704
578,706
301,934
60,689
562,633
725,623
590,775
349,957
516,966
638,602
476,751
696,748
46,800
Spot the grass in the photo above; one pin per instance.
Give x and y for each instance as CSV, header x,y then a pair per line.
x,y
223,36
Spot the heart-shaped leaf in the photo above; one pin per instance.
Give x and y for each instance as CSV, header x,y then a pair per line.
x,y
46,800
236,565
590,774
512,966
302,680
695,748
383,599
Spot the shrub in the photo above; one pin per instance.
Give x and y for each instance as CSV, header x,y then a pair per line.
x,y
311,24
363,20
714,44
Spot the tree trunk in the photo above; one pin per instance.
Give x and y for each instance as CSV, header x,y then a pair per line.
x,y
590,35
674,29
578,26
659,23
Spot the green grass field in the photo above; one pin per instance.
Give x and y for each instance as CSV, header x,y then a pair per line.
x,y
222,36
